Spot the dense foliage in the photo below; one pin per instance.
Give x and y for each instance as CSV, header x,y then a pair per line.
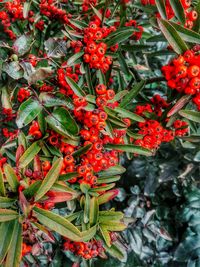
x,y
100,132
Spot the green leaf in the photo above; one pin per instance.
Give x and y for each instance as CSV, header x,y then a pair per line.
x,y
72,60
8,215
190,115
75,88
102,188
2,187
58,224
132,94
6,232
130,148
128,114
123,64
50,179
115,170
172,37
26,9
161,8
22,44
11,177
106,235
187,35
32,189
119,38
6,202
13,69
99,15
108,180
63,123
5,98
52,100
68,176
106,197
178,10
29,154
81,151
28,111
88,234
114,226
94,211
15,249
110,215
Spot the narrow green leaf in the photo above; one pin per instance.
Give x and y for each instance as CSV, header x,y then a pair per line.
x,y
108,180
190,115
187,35
14,253
58,224
88,234
161,8
11,177
131,148
172,37
82,150
6,202
28,111
110,215
115,170
106,235
8,215
128,114
6,232
119,38
2,187
72,60
132,94
178,10
29,154
75,88
94,211
50,179
106,197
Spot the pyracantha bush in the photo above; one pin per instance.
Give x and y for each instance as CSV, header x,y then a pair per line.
x,y
76,93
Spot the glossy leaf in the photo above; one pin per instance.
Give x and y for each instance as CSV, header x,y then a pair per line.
x,y
28,111
76,89
11,177
49,179
62,122
190,115
29,154
172,37
161,8
130,148
178,10
8,215
15,249
132,94
2,187
6,233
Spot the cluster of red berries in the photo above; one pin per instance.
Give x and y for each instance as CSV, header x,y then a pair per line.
x,y
50,10
61,77
34,130
87,250
87,4
95,50
190,14
154,133
183,74
137,35
23,94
